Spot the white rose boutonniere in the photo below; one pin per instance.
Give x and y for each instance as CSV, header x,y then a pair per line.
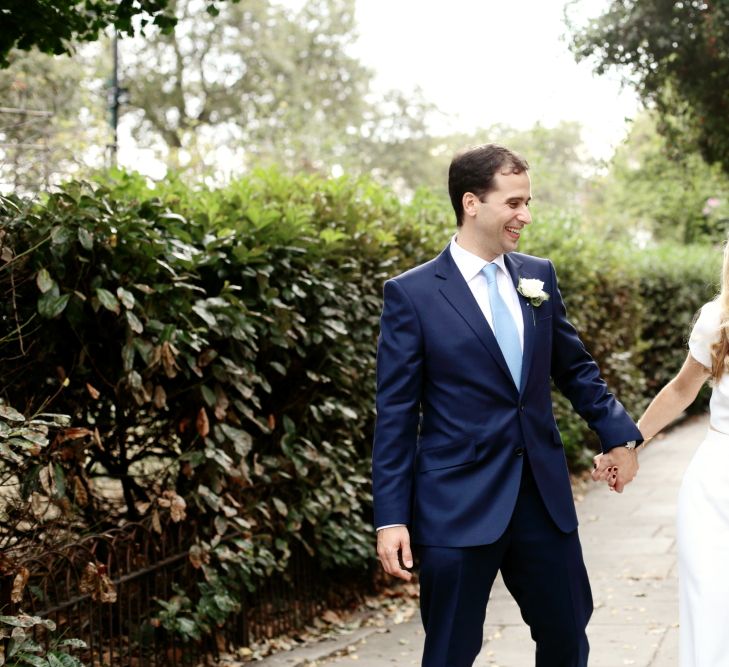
x,y
532,289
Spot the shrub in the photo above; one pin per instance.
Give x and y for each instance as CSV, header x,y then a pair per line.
x,y
218,347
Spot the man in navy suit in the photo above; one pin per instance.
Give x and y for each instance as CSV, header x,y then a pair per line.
x,y
468,465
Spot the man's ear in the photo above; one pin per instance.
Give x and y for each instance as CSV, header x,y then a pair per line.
x,y
470,203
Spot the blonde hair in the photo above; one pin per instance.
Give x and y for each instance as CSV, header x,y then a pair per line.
x,y
720,349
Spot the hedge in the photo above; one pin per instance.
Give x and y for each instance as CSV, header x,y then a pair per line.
x,y
215,350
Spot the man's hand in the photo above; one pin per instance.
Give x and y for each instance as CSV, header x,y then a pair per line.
x,y
391,543
618,467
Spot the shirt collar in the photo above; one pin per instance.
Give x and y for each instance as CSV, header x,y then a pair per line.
x,y
471,265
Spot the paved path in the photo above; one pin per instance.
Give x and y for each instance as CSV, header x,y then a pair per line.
x,y
629,542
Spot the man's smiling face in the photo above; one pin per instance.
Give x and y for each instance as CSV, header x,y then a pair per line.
x,y
503,213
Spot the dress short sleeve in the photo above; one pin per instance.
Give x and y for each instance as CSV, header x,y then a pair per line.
x,y
705,333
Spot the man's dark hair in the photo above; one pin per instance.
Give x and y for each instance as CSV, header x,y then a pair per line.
x,y
473,170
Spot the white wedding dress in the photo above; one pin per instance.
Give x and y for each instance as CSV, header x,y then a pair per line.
x,y
703,523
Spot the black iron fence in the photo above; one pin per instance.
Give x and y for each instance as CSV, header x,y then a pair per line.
x,y
105,588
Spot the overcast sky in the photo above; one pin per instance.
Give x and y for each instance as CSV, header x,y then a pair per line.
x,y
493,61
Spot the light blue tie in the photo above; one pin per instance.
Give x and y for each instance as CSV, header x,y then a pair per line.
x,y
507,335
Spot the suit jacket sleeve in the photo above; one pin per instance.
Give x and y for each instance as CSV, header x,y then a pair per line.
x,y
399,388
577,376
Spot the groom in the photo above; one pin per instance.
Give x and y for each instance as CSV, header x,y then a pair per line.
x,y
468,465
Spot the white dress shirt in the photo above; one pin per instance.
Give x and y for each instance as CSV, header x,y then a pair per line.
x,y
471,267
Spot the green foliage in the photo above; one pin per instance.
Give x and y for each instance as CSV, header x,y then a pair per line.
x,y
675,281
19,649
676,55
219,346
555,155
650,191
556,159
25,455
53,27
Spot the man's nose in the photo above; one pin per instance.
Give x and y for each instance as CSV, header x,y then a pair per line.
x,y
525,215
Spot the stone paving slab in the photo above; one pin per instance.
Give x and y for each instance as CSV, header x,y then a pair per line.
x,y
630,550
321,651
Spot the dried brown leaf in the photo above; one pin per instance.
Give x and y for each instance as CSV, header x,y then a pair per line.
x,y
175,503
46,479
65,505
258,469
206,356
97,439
160,397
221,403
198,556
73,433
7,564
96,583
80,494
156,525
330,616
177,510
168,354
88,578
39,504
21,579
107,592
156,356
203,423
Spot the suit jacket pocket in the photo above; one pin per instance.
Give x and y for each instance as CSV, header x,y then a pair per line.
x,y
448,456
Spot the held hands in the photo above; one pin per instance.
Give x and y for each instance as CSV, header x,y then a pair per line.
x,y
393,548
618,467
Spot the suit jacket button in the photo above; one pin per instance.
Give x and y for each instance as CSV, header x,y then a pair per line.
x,y
519,451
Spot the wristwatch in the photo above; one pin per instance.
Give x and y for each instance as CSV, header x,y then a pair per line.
x,y
630,445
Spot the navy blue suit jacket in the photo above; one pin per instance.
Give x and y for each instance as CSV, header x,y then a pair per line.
x,y
451,425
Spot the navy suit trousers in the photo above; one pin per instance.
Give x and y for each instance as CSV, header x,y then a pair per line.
x,y
541,566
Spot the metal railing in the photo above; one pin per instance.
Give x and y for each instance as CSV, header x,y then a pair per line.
x,y
143,567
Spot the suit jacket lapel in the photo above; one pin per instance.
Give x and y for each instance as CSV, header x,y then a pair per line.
x,y
454,288
513,265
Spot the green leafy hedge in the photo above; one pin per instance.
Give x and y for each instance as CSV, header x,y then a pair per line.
x,y
218,347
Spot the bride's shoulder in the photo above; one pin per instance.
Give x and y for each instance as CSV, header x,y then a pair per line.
x,y
710,308
709,317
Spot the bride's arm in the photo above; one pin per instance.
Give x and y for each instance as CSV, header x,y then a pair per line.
x,y
674,398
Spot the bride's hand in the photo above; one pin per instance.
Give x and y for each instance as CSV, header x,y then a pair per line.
x,y
602,471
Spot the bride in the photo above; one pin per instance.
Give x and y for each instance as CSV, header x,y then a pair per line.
x,y
703,504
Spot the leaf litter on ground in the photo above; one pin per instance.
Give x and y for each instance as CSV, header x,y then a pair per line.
x,y
394,605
